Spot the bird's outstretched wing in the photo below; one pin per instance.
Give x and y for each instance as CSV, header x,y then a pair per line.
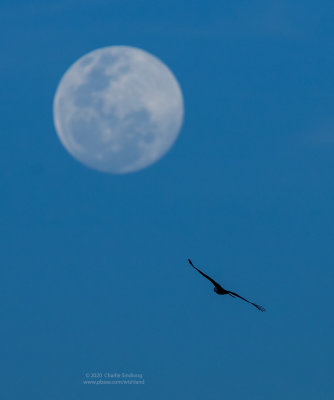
x,y
255,305
205,276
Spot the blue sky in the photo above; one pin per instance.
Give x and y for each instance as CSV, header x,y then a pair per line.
x,y
94,275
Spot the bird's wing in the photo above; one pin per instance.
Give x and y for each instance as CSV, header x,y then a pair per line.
x,y
205,276
255,305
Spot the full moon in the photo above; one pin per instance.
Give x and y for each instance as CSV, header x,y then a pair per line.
x,y
118,109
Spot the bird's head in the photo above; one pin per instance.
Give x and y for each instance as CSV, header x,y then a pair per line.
x,y
215,289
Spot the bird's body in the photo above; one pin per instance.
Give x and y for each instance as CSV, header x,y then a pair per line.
x,y
220,290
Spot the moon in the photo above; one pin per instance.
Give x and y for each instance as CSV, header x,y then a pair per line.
x,y
118,109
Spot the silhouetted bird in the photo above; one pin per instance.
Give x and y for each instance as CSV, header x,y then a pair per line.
x,y
219,290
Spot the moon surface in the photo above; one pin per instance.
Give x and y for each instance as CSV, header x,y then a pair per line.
x,y
118,109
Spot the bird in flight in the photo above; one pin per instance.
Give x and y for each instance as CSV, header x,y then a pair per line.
x,y
220,290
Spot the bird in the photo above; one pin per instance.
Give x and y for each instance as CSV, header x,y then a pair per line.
x,y
220,290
